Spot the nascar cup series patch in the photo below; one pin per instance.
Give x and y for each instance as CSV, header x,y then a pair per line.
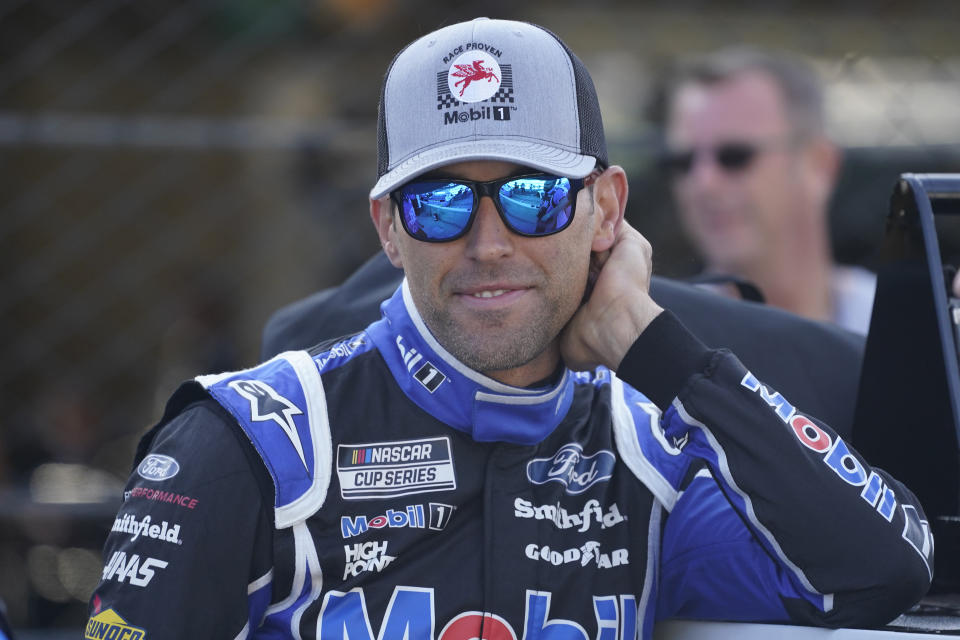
x,y
390,469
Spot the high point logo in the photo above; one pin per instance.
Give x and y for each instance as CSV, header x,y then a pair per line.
x,y
475,76
364,557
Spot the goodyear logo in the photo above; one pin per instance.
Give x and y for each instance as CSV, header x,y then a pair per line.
x,y
107,625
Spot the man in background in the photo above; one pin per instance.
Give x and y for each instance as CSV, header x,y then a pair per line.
x,y
752,173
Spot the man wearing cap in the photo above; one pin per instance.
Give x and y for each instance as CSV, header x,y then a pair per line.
x,y
524,445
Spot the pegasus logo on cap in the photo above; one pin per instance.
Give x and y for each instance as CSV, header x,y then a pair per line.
x,y
467,73
474,73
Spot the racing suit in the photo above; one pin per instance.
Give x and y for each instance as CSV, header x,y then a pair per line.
x,y
375,487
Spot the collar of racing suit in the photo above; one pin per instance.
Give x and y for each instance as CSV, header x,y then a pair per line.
x,y
441,385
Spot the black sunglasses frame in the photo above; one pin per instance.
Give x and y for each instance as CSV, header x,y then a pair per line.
x,y
490,188
732,157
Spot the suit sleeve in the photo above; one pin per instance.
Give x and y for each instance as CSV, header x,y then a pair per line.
x,y
191,543
787,521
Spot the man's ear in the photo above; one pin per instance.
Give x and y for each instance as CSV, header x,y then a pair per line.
x,y
609,203
824,160
381,213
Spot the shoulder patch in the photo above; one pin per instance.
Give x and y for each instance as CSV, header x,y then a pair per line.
x,y
281,406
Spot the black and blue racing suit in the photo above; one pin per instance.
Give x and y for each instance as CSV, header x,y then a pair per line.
x,y
377,489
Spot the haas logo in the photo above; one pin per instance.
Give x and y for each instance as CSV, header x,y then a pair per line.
x,y
468,72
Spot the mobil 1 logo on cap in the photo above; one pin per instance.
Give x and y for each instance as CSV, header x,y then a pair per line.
x,y
475,76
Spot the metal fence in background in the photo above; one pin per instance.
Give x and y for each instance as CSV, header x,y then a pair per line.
x,y
171,171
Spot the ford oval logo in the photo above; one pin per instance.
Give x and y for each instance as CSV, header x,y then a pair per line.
x,y
158,467
572,469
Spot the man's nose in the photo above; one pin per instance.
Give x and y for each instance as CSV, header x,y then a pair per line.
x,y
489,238
704,169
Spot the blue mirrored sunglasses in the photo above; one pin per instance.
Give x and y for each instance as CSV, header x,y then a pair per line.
x,y
443,209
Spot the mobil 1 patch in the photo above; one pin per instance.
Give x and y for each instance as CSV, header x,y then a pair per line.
x,y
391,469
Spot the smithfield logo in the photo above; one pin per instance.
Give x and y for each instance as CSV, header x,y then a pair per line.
x,y
581,520
146,528
572,469
158,467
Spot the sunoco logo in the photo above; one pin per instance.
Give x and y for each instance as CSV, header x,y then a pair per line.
x,y
107,624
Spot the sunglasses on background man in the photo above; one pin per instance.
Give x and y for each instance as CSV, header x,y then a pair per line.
x,y
732,157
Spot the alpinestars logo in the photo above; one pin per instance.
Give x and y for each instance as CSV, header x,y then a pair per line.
x,y
266,404
365,557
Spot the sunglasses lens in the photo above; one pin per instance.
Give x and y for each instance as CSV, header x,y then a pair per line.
x,y
735,156
435,210
537,205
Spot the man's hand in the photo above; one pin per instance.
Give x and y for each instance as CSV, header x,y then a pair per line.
x,y
618,308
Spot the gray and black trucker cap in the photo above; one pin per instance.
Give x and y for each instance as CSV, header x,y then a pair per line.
x,y
487,90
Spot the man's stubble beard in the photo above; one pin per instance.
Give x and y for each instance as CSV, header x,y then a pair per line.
x,y
497,347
